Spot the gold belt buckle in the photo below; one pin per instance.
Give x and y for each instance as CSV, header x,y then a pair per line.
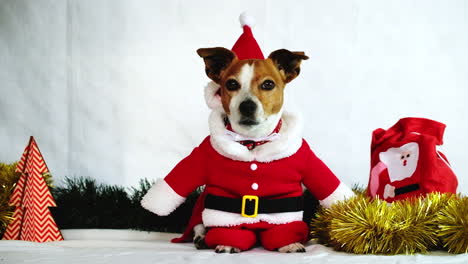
x,y
246,198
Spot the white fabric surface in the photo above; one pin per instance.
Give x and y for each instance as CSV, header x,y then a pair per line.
x,y
123,247
113,89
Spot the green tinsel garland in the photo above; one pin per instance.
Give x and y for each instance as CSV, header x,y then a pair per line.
x,y
363,225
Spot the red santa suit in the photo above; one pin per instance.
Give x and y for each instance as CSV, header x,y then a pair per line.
x,y
228,169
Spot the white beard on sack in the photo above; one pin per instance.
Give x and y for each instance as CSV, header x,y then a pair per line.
x,y
401,163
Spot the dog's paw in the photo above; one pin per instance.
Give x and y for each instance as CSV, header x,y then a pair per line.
x,y
292,248
199,237
199,242
226,249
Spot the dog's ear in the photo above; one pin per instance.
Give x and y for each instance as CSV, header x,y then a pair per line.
x,y
216,60
288,62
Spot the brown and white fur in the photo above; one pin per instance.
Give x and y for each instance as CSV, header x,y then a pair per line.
x,y
252,96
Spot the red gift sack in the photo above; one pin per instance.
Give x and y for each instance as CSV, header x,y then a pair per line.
x,y
405,162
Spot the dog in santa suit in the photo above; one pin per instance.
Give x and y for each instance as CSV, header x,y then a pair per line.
x,y
254,162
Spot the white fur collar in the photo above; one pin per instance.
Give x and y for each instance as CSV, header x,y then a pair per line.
x,y
287,144
212,98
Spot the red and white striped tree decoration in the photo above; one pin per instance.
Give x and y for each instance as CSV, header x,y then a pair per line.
x,y
32,199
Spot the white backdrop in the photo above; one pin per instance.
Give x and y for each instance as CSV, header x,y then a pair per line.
x,y
114,89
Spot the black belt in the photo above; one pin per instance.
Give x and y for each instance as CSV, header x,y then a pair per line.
x,y
251,205
406,189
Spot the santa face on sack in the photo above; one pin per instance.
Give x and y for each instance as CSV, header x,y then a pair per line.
x,y
401,163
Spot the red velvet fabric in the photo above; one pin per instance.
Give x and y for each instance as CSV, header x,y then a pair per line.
x,y
246,47
270,236
230,178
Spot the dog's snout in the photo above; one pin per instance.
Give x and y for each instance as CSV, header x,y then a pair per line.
x,y
248,108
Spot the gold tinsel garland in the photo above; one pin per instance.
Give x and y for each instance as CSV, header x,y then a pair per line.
x,y
363,225
452,221
8,179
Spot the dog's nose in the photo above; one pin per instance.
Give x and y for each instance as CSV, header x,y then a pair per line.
x,y
248,108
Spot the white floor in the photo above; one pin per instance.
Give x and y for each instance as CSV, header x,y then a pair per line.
x,y
124,246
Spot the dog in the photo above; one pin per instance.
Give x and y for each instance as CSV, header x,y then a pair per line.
x,y
252,97
253,164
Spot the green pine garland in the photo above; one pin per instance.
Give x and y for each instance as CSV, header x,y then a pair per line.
x,y
83,203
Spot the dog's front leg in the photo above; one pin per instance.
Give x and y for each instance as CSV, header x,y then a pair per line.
x,y
199,236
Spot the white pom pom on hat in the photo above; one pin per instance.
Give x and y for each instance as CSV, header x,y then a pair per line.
x,y
246,47
246,20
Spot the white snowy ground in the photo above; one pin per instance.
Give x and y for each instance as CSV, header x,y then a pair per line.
x,y
125,246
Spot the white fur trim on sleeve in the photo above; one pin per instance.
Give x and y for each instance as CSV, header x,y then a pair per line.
x,y
342,192
212,98
161,199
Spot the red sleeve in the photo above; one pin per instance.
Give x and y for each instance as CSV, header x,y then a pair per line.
x,y
317,177
189,173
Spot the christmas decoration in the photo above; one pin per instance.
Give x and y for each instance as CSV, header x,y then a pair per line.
x,y
8,178
452,222
32,199
406,169
405,162
364,225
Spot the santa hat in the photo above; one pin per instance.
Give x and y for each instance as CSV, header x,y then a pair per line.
x,y
246,47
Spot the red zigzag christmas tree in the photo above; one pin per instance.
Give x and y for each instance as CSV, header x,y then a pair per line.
x,y
32,199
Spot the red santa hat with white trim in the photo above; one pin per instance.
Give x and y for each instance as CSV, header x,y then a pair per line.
x,y
245,48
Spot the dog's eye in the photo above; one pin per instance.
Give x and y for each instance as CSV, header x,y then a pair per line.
x,y
232,85
268,85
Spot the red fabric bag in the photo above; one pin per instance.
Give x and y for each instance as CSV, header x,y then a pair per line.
x,y
405,162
